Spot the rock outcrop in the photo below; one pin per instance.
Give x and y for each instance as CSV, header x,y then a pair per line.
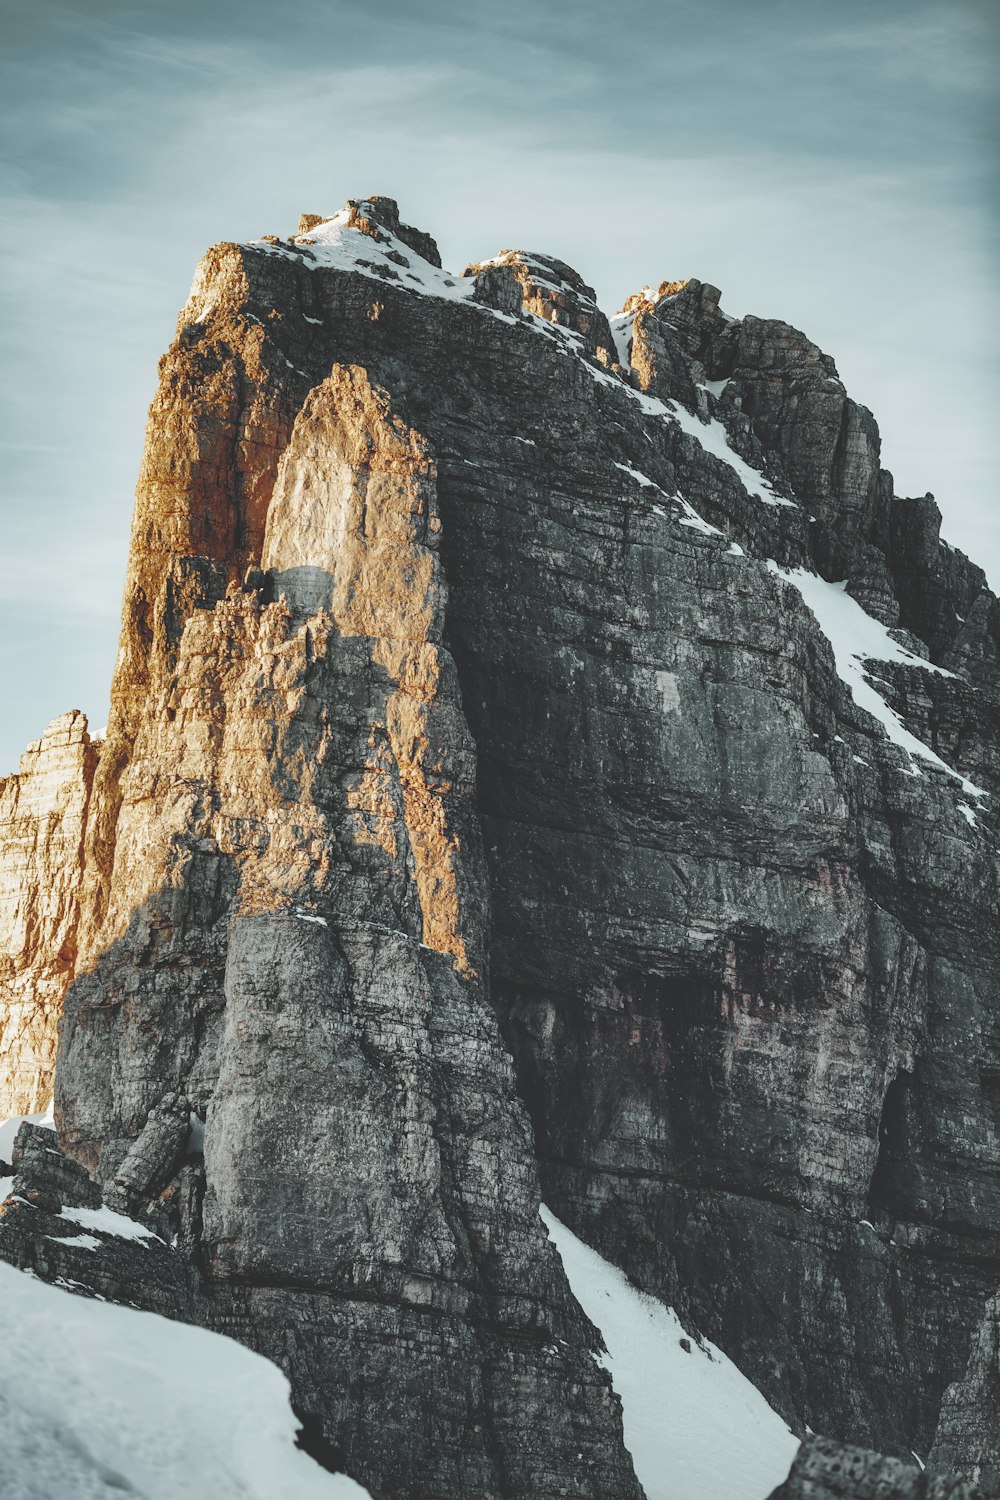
x,y
43,815
968,1435
824,1470
493,802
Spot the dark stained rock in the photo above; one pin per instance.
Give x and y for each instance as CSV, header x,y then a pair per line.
x,y
968,1435
870,583
825,1470
157,1152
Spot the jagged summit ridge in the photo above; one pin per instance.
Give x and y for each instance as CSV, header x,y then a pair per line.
x,y
500,796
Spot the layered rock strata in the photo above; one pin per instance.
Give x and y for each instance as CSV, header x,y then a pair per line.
x,y
968,1435
470,708
43,815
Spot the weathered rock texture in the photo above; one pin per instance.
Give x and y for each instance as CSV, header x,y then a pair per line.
x,y
43,813
471,772
824,1470
968,1436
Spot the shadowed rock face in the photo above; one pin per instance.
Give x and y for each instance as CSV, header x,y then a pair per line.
x,y
471,774
968,1435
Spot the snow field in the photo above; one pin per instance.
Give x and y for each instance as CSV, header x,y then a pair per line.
x,y
99,1401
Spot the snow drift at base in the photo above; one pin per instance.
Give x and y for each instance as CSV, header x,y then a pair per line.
x,y
99,1401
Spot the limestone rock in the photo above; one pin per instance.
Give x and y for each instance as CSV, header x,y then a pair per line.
x,y
825,1470
377,213
154,1156
640,301
45,1177
43,813
870,583
708,335
294,936
498,287
553,291
482,812
827,444
968,1435
659,361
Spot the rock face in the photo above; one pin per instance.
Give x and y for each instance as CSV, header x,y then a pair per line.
x,y
968,1436
483,808
43,813
825,1470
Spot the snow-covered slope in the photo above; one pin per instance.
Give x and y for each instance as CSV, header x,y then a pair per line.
x,y
696,1428
98,1401
857,638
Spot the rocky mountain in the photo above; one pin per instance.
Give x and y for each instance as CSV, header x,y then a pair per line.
x,y
546,760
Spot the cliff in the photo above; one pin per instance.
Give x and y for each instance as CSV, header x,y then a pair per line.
x,y
546,758
43,815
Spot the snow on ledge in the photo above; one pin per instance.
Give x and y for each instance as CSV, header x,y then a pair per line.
x,y
106,1221
689,518
856,638
711,436
714,439
638,476
696,1428
698,523
103,1401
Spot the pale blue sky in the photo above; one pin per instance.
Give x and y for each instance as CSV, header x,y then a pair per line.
x,y
834,165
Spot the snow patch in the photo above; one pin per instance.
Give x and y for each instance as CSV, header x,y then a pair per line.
x,y
857,638
713,438
621,332
108,1222
638,476
104,1401
692,518
695,1426
78,1241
